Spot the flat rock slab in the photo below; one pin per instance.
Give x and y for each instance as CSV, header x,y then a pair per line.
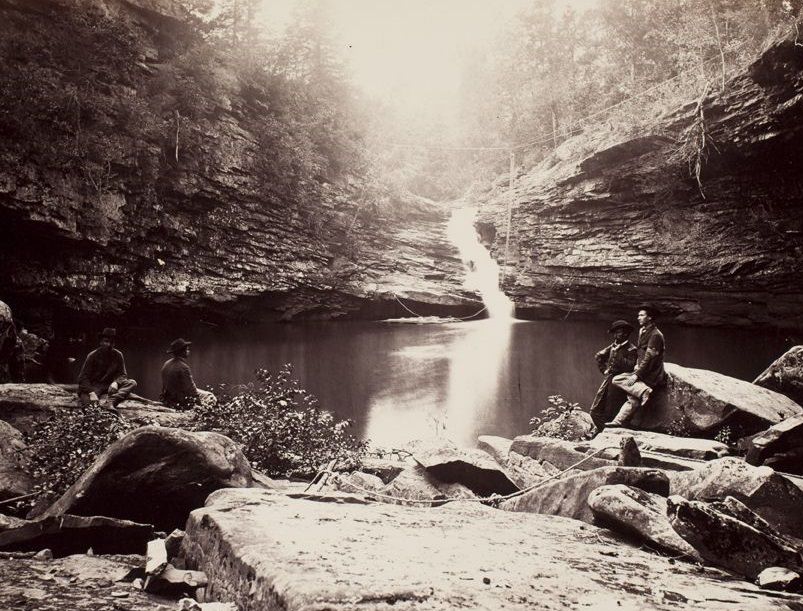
x,y
683,447
698,401
77,583
781,446
558,453
23,406
266,551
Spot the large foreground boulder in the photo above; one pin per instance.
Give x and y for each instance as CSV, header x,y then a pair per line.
x,y
568,496
785,375
264,550
769,494
780,446
698,401
636,512
727,541
156,475
69,534
472,468
23,406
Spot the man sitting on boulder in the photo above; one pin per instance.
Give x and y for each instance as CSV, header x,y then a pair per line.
x,y
178,387
104,373
649,371
618,357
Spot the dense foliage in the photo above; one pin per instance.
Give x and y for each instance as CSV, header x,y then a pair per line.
x,y
280,427
63,447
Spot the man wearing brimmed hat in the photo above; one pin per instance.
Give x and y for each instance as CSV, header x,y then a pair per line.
x,y
618,357
178,387
649,370
104,373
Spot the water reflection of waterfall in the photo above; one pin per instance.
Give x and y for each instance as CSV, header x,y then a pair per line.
x,y
448,384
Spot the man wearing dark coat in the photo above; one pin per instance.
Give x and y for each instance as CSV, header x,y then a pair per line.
x,y
648,373
178,387
103,372
618,357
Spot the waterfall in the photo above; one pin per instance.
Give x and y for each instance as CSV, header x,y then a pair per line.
x,y
483,271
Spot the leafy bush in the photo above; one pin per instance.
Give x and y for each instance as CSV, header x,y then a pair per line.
x,y
562,419
65,446
282,430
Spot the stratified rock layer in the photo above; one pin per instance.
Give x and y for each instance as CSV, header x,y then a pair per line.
x,y
266,551
610,220
206,237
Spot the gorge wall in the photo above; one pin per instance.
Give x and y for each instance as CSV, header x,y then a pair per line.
x,y
607,221
171,216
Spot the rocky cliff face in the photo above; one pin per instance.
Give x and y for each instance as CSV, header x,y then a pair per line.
x,y
608,222
97,237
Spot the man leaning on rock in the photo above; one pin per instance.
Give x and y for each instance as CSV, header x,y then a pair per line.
x,y
178,387
103,373
618,357
648,373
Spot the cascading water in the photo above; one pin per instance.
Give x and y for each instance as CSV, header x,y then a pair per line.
x,y
447,380
483,274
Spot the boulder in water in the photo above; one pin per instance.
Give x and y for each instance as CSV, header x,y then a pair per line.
x,y
785,375
156,475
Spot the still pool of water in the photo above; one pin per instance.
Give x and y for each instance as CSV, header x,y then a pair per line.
x,y
402,381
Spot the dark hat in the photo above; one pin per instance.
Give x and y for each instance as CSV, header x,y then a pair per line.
x,y
177,345
620,324
109,332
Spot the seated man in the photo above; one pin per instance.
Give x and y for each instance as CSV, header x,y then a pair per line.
x,y
649,371
619,357
178,387
104,373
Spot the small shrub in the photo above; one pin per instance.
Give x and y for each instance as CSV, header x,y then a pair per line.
x,y
282,430
561,419
65,446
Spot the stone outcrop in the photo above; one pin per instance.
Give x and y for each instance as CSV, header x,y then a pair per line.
x,y
773,497
523,470
728,542
25,405
205,236
683,447
416,484
779,578
569,495
557,453
779,447
785,375
611,219
471,468
634,511
70,534
264,550
697,401
156,475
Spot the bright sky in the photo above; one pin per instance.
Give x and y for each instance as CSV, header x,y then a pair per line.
x,y
409,51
